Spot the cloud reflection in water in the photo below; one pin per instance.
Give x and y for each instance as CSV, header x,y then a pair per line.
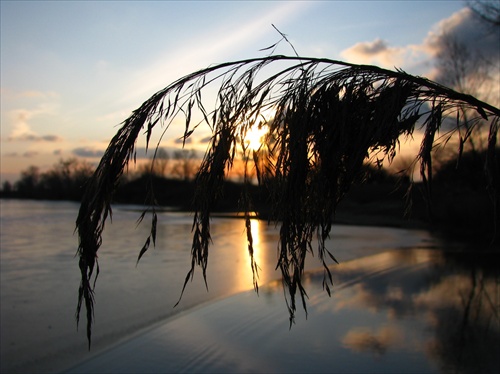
x,y
396,311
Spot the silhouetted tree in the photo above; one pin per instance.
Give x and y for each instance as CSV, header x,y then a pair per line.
x,y
7,188
28,184
328,116
157,166
185,163
469,72
64,181
161,162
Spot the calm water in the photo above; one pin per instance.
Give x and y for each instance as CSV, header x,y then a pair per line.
x,y
400,302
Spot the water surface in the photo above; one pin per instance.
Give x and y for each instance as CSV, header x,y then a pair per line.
x,y
399,301
393,312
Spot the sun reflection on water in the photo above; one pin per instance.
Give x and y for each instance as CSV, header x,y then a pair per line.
x,y
256,235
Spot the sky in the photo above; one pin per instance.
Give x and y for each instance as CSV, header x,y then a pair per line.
x,y
72,71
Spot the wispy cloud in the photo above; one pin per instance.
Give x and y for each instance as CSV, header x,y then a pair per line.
x,y
9,94
209,49
33,104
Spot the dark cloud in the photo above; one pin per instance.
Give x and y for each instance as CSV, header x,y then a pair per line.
x,y
183,141
87,152
142,154
30,154
51,138
35,138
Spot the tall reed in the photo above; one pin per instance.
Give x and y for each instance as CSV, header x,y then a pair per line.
x,y
328,116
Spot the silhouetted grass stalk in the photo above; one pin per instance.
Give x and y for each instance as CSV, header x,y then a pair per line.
x,y
328,116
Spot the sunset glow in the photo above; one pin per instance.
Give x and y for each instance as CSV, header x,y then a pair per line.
x,y
255,137
71,72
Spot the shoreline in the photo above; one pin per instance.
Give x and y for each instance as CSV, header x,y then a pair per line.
x,y
385,213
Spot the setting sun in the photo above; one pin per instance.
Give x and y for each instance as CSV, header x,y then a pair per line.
x,y
255,136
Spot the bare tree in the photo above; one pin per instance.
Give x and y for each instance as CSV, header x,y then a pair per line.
x,y
160,163
328,116
466,69
29,181
185,163
461,68
468,72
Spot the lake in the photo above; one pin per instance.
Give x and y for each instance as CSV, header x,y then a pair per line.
x,y
403,301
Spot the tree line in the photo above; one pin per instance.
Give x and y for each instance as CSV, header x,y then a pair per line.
x,y
461,201
66,179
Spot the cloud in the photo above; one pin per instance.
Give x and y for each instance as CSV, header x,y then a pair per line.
x,y
465,28
20,126
463,44
19,119
461,26
88,152
371,48
28,94
379,52
209,48
27,137
366,340
206,140
183,141
30,154
30,137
